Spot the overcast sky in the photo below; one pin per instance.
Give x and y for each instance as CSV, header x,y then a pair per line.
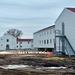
x,y
30,15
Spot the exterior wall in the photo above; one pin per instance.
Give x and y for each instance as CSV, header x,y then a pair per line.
x,y
68,18
44,38
14,44
11,42
24,45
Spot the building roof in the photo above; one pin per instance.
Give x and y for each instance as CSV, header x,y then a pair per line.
x,y
24,39
71,9
45,28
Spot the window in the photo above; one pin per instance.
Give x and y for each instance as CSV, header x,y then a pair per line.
x,y
40,34
1,39
40,42
31,45
20,46
1,44
7,40
44,41
53,30
47,32
47,41
17,46
50,31
20,42
54,40
17,42
44,33
28,42
50,40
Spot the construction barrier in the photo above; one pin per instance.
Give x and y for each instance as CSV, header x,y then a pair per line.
x,y
48,53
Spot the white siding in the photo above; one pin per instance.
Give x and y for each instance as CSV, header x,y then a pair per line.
x,y
40,38
11,42
14,44
24,45
68,18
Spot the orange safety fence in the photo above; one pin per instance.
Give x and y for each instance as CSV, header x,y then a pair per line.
x,y
48,53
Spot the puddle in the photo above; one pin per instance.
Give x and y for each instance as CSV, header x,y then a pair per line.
x,y
13,66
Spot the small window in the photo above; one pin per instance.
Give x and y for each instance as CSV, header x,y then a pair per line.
x,y
50,40
17,42
7,40
44,33
40,34
44,41
1,44
47,32
31,45
17,46
20,46
53,30
50,31
54,40
47,41
28,42
40,42
20,42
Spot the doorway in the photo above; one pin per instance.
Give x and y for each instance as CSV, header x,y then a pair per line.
x,y
7,47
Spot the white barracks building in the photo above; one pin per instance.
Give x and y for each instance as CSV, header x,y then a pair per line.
x,y
65,31
44,39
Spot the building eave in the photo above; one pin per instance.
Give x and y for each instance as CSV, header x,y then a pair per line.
x,y
44,29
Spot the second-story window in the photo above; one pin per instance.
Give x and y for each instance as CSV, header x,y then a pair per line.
x,y
50,31
7,40
20,42
28,42
47,32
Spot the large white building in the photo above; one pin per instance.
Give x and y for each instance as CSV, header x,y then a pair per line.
x,y
65,31
8,42
44,39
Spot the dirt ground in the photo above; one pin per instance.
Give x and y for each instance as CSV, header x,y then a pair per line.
x,y
37,60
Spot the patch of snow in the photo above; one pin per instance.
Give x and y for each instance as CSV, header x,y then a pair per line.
x,y
44,68
13,66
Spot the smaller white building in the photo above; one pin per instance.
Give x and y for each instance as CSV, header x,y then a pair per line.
x,y
9,42
24,44
44,39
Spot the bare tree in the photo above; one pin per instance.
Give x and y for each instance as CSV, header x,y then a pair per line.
x,y
14,32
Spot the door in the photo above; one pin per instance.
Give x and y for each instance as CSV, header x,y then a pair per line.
x,y
7,47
